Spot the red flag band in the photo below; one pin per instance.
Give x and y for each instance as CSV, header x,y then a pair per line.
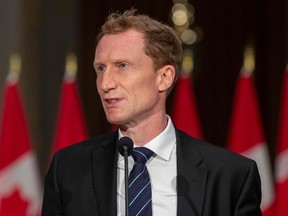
x,y
71,126
20,190
281,168
247,138
185,115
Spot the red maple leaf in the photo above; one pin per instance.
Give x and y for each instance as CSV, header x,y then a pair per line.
x,y
13,205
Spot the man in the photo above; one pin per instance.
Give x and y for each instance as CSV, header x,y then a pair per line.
x,y
137,61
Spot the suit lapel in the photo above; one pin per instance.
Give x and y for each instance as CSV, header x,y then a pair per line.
x,y
191,177
104,168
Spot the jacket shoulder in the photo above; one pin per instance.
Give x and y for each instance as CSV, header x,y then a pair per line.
x,y
87,146
212,153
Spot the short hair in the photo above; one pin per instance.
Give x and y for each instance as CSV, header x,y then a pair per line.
x,y
162,44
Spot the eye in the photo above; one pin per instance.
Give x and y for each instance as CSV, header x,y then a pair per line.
x,y
122,65
100,68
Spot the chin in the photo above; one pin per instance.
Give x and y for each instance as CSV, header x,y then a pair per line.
x,y
114,120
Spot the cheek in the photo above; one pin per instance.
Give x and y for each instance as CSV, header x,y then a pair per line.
x,y
145,93
149,87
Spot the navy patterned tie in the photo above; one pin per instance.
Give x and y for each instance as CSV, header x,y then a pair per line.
x,y
139,186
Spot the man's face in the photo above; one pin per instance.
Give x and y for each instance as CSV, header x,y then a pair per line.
x,y
126,79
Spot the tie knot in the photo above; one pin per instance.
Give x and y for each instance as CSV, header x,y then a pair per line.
x,y
141,154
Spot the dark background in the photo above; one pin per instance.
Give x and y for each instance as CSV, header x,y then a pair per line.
x,y
43,32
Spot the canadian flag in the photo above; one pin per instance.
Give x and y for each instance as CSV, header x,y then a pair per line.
x,y
71,127
185,114
247,138
281,161
20,187
114,127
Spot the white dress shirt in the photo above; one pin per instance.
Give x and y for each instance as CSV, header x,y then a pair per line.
x,y
162,170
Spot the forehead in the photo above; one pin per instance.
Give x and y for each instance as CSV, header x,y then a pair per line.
x,y
128,40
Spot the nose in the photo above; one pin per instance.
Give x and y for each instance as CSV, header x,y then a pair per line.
x,y
106,81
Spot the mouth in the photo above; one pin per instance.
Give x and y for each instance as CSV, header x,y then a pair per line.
x,y
110,102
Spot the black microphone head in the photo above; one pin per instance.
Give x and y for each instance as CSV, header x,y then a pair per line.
x,y
125,144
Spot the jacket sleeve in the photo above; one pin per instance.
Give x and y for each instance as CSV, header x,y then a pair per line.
x,y
249,200
52,204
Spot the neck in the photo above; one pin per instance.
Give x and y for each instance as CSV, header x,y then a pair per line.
x,y
145,131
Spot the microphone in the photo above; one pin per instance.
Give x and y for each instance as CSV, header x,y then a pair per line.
x,y
125,146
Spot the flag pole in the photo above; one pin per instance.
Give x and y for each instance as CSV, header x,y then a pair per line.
x,y
71,67
249,60
187,62
15,66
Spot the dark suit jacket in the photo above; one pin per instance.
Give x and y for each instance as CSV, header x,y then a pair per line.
x,y
211,181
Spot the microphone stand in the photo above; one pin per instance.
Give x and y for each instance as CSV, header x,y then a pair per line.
x,y
125,146
126,180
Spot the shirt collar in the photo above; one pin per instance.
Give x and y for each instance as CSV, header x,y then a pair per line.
x,y
162,145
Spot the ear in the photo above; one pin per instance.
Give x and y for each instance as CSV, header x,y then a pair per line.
x,y
166,76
